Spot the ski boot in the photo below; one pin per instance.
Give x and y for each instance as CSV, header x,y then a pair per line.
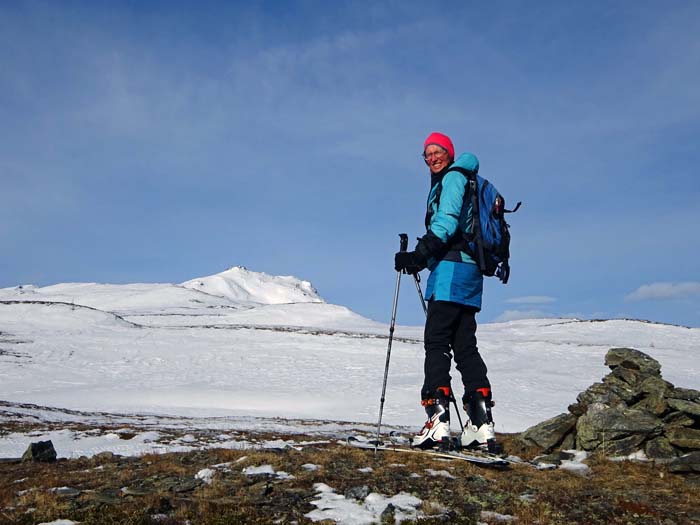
x,y
478,430
436,431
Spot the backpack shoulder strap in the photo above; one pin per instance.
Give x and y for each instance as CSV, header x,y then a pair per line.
x,y
436,202
469,174
473,195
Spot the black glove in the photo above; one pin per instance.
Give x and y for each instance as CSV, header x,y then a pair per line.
x,y
431,246
409,262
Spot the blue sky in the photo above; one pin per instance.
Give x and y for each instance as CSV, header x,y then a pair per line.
x,y
162,141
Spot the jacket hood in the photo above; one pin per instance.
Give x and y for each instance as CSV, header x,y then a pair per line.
x,y
467,161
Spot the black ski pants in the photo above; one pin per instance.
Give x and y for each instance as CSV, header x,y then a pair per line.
x,y
451,327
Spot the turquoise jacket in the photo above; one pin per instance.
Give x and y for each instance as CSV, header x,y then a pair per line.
x,y
454,276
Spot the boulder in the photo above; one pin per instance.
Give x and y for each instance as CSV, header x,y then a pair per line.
x,y
685,393
602,424
632,359
655,385
622,388
622,447
577,409
660,448
549,433
684,437
569,442
678,419
687,407
597,393
41,451
630,378
686,463
654,404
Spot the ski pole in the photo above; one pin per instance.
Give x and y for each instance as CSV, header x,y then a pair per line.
x,y
416,278
403,247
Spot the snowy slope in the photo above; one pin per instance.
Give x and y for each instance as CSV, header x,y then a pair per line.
x,y
242,343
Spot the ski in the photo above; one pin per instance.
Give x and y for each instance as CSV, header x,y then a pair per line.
x,y
478,458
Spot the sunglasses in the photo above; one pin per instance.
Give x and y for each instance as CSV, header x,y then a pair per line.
x,y
436,154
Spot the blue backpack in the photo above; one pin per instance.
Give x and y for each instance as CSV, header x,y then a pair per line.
x,y
486,237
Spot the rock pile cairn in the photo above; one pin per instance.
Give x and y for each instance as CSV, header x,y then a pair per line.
x,y
633,408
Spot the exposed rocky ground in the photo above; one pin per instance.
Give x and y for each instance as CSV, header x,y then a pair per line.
x,y
283,486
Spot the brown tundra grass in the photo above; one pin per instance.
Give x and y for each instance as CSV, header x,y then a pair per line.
x,y
161,489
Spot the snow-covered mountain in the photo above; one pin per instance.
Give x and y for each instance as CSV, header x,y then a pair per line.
x,y
236,296
236,287
241,286
249,344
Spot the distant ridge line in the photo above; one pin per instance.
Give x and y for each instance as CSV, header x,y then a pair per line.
x,y
76,305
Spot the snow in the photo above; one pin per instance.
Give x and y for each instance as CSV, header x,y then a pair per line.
x,y
638,455
439,473
576,464
336,507
266,470
206,475
74,444
246,351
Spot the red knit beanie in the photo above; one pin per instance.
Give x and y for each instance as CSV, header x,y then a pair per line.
x,y
440,140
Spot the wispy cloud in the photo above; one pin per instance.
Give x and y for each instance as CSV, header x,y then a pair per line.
x,y
532,299
664,291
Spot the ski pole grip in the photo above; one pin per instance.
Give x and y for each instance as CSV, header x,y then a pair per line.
x,y
404,242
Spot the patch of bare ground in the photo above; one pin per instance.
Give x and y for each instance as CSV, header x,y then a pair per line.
x,y
165,489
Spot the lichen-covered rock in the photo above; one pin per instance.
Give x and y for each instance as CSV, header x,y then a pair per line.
x,y
685,393
577,409
686,463
654,404
550,433
621,387
660,448
687,407
684,437
655,385
633,360
598,393
630,378
569,442
601,424
678,419
622,447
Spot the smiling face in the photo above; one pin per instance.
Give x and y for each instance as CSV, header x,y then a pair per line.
x,y
436,158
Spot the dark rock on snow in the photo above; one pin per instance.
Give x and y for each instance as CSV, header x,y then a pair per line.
x,y
41,451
